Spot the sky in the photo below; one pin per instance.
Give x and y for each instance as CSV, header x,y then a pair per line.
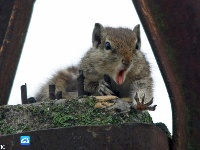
x,y
59,34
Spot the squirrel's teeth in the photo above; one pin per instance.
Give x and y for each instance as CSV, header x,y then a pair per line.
x,y
120,77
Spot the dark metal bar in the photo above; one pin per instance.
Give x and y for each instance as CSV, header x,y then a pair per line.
x,y
24,94
80,81
172,27
134,136
59,95
52,89
14,19
31,100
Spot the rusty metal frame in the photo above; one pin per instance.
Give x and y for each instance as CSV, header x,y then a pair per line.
x,y
15,16
173,29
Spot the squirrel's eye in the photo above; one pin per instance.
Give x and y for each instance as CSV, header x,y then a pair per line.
x,y
107,46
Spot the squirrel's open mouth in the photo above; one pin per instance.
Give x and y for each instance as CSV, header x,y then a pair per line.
x,y
120,76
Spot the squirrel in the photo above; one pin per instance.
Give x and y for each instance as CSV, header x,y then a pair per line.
x,y
115,54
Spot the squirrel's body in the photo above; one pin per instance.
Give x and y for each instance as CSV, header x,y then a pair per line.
x,y
115,53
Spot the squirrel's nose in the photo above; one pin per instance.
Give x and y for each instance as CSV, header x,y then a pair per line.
x,y
126,62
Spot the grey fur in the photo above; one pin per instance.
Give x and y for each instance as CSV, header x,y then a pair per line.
x,y
124,54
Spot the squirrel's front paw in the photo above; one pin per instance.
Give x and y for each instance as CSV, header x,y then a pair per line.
x,y
141,106
104,88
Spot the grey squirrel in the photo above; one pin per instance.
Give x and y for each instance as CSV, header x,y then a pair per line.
x,y
115,53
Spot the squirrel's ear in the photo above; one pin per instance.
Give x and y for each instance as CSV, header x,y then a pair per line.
x,y
97,34
136,31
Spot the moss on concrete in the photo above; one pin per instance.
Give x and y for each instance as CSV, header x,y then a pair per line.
x,y
63,113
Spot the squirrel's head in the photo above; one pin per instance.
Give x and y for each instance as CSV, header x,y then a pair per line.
x,y
117,48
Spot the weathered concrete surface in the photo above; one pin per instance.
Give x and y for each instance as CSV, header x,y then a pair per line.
x,y
14,20
65,113
117,137
173,29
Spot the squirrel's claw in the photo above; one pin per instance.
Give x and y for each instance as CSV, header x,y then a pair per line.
x,y
103,88
150,102
141,106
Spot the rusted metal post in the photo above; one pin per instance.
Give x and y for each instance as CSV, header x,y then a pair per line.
x,y
14,20
24,94
80,81
59,95
31,100
173,29
52,89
